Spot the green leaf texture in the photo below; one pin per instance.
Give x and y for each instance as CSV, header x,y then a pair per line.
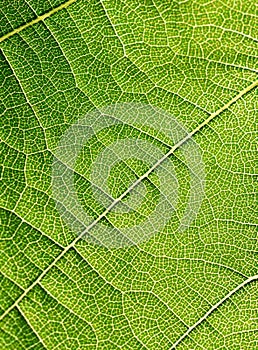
x,y
196,288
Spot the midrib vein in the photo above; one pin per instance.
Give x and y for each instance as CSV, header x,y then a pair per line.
x,y
117,200
36,20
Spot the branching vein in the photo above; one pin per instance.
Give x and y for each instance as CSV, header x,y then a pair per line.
x,y
118,200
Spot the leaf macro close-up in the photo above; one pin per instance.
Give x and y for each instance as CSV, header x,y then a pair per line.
x,y
128,198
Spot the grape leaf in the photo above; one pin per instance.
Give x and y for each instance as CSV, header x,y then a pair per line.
x,y
128,192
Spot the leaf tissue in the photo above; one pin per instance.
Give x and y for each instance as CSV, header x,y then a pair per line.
x,y
128,208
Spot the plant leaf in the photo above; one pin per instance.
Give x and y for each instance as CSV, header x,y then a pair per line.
x,y
156,103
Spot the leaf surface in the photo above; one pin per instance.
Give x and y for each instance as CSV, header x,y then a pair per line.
x,y
195,64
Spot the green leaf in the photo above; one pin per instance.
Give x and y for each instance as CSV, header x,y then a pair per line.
x,y
128,193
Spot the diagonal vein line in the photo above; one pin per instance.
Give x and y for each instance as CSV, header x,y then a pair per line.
x,y
117,200
213,308
32,328
36,20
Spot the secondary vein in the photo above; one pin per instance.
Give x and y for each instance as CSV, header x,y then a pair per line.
x,y
36,20
213,308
